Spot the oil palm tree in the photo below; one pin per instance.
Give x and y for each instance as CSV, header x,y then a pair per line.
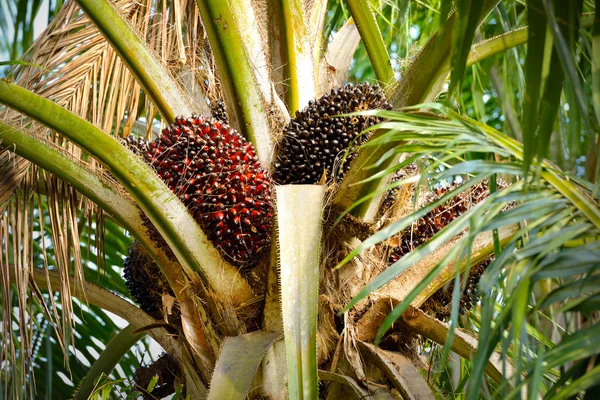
x,y
443,252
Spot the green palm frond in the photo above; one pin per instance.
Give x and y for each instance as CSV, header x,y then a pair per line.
x,y
556,218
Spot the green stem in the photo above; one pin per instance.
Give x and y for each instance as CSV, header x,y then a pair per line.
x,y
100,297
149,72
299,219
110,357
463,344
106,300
427,74
299,66
490,47
237,72
86,182
124,212
372,39
170,217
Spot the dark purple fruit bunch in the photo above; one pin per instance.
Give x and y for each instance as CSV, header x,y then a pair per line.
x,y
315,141
440,303
217,175
434,221
136,144
145,281
219,112
165,369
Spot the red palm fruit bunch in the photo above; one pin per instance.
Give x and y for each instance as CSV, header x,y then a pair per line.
x,y
217,175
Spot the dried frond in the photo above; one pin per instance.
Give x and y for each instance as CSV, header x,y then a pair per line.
x,y
82,73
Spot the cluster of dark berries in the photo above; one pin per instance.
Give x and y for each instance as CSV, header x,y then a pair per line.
x,y
217,175
431,223
165,369
145,281
315,141
219,112
136,144
440,303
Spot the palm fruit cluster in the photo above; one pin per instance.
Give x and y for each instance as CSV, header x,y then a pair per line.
x,y
165,369
136,144
145,281
217,175
219,112
315,141
390,198
431,223
440,303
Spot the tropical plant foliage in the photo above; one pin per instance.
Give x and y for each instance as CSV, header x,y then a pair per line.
x,y
486,165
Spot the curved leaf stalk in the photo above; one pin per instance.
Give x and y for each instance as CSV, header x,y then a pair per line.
x,y
423,77
371,37
137,318
190,245
238,362
151,75
334,65
100,297
124,211
490,47
484,247
399,370
299,219
351,383
463,344
237,72
299,69
110,357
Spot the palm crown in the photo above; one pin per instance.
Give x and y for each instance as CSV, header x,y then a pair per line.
x,y
312,239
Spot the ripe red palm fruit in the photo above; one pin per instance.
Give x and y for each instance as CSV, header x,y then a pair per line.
x,y
217,175
315,141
